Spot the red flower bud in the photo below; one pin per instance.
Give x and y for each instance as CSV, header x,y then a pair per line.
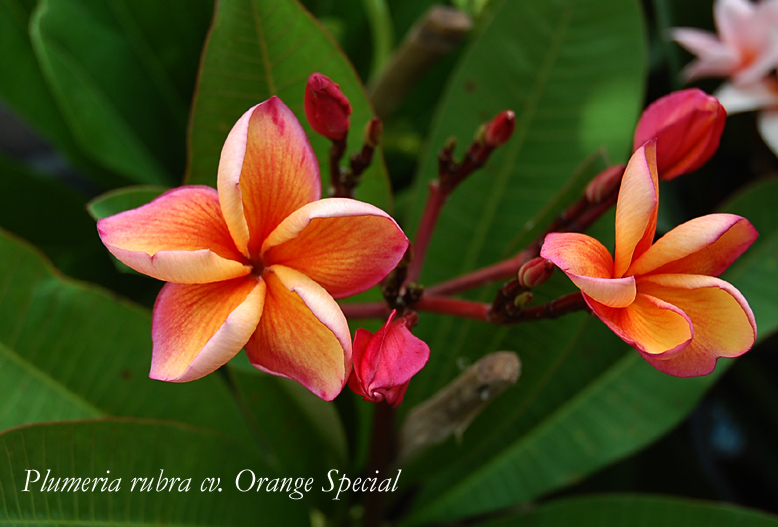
x,y
326,108
384,362
605,183
687,125
535,272
500,129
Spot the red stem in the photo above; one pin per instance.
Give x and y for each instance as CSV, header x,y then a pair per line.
x,y
365,310
499,271
453,306
435,200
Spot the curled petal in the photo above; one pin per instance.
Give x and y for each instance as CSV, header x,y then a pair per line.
x,y
302,335
578,254
724,325
344,245
196,328
179,237
636,208
706,246
651,325
589,265
267,170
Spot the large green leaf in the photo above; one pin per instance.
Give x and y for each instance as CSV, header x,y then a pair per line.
x,y
302,433
636,511
133,455
122,73
64,337
24,89
260,48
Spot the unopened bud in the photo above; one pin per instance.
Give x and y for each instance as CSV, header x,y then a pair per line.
x,y
535,272
326,108
523,299
687,125
604,184
500,129
373,132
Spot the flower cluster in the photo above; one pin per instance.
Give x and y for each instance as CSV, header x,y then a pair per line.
x,y
745,52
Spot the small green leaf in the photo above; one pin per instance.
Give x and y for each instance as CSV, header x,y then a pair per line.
x,y
122,199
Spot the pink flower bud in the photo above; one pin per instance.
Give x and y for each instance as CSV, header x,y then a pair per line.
x,y
326,108
605,183
687,125
535,272
500,129
384,362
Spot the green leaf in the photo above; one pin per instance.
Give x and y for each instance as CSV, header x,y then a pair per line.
x,y
636,511
122,199
261,48
69,337
303,434
122,73
545,434
755,273
23,88
128,455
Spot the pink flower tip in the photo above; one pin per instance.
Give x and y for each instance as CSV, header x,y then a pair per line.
x,y
326,108
384,362
687,125
500,129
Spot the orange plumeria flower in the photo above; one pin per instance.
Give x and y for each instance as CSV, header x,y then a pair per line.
x,y
258,264
663,298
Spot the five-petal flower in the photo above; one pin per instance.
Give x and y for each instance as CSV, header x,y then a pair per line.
x,y
258,264
663,298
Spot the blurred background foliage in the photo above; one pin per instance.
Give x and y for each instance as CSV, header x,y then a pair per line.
x,y
106,104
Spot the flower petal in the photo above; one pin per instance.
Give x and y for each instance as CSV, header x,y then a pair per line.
x,y
302,335
746,98
636,208
589,265
578,254
179,237
706,246
346,246
267,171
767,122
724,325
715,58
196,328
650,325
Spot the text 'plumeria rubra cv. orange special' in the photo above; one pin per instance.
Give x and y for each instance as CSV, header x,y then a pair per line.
x,y
663,297
259,263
